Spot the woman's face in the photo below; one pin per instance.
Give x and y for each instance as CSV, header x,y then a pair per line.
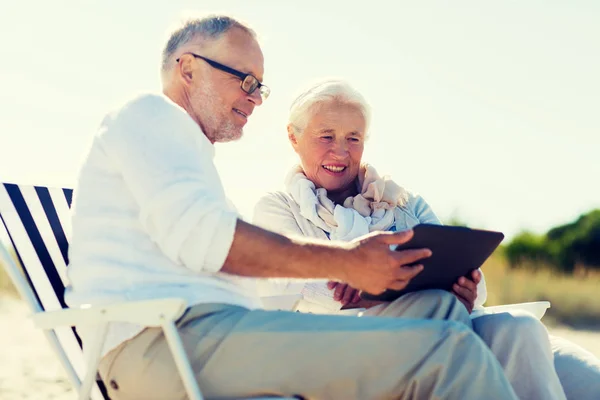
x,y
331,146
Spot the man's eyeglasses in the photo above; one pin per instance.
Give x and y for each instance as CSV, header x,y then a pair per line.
x,y
249,82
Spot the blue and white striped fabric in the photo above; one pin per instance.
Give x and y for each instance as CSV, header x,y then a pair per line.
x,y
37,221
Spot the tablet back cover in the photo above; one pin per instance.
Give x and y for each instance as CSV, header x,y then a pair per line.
x,y
456,252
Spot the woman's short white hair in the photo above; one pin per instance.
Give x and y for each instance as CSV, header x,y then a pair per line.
x,y
305,105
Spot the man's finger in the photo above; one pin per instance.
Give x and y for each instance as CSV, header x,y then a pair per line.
x,y
375,292
398,285
476,275
396,237
406,273
356,298
331,285
406,257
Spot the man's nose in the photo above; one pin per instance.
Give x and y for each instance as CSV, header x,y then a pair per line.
x,y
255,97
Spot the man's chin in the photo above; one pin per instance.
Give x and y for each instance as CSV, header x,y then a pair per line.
x,y
229,136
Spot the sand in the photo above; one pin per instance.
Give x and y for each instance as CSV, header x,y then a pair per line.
x,y
29,369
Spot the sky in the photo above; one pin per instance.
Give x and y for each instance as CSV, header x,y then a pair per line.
x,y
489,110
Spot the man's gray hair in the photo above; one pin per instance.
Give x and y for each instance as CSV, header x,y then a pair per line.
x,y
209,28
305,105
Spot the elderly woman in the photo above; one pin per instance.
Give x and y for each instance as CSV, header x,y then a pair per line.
x,y
333,195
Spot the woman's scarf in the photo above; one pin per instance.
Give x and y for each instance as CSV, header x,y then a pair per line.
x,y
371,210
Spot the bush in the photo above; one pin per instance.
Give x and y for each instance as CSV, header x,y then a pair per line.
x,y
527,249
579,242
566,247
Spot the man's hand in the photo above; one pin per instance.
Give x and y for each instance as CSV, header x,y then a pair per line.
x,y
366,263
372,267
343,292
466,290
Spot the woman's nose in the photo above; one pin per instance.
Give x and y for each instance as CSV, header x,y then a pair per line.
x,y
340,150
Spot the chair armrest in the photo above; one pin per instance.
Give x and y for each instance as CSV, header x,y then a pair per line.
x,y
536,308
145,313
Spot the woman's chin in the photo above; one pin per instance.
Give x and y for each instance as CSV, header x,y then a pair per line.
x,y
331,187
340,187
333,184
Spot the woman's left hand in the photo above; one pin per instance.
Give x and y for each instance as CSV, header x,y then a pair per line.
x,y
344,293
466,290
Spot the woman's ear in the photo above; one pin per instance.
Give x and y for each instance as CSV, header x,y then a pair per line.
x,y
292,137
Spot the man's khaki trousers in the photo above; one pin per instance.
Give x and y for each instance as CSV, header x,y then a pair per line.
x,y
237,353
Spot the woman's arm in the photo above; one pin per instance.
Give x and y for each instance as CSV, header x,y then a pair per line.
x,y
272,213
423,210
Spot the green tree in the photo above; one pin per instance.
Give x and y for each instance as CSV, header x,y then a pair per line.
x,y
564,247
527,249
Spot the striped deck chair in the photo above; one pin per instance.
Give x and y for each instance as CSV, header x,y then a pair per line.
x,y
37,222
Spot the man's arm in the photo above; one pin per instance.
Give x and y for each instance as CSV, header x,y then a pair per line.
x,y
366,263
262,253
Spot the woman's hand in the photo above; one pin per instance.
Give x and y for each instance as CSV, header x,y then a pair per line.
x,y
466,290
344,293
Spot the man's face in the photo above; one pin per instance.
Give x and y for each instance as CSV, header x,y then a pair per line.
x,y
219,103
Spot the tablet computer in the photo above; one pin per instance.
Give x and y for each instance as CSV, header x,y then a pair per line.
x,y
456,251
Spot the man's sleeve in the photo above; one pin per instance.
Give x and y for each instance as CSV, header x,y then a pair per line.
x,y
166,164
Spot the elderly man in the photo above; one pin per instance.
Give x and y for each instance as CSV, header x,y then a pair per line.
x,y
151,220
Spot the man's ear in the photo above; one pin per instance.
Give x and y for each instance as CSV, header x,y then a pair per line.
x,y
292,137
186,70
